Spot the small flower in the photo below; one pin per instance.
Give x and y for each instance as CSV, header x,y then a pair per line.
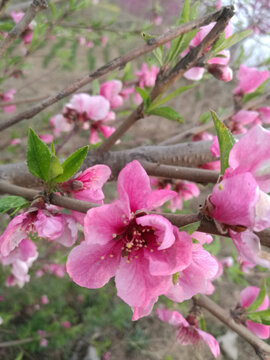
x,y
6,97
248,295
66,324
44,300
188,332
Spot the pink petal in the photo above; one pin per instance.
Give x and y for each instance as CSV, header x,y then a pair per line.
x,y
142,311
245,116
250,79
173,259
248,246
250,153
265,114
94,137
49,227
164,230
203,238
262,331
211,342
136,286
172,317
96,107
92,266
106,130
234,199
110,90
158,197
195,73
69,235
134,186
248,296
100,224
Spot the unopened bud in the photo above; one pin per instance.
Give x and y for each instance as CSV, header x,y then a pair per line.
x,y
220,72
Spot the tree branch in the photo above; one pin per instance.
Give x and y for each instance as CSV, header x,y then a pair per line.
x,y
166,79
112,65
259,345
252,104
35,7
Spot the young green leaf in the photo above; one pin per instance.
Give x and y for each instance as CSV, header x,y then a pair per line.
x,y
52,148
158,52
202,323
38,156
157,102
259,299
230,41
56,168
145,96
260,317
175,278
225,140
72,164
10,202
167,113
205,117
190,228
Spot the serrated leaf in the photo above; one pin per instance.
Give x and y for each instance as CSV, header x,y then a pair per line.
x,y
10,202
38,156
260,317
230,41
190,228
56,168
167,113
72,164
225,141
259,299
157,102
145,96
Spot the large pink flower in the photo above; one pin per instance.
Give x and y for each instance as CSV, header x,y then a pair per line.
x,y
142,251
188,332
249,79
248,295
240,199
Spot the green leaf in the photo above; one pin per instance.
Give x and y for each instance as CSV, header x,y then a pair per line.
x,y
157,102
56,168
230,41
167,113
52,148
256,93
10,202
225,140
190,228
213,247
260,317
158,52
259,299
38,156
72,164
19,356
128,73
145,96
202,324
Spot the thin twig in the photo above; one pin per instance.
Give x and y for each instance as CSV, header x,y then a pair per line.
x,y
35,7
166,79
119,62
22,101
252,104
259,345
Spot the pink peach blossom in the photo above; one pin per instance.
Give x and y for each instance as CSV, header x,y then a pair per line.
x,y
122,240
44,300
240,198
27,35
248,295
220,72
249,79
87,186
246,117
111,91
265,114
6,97
46,138
66,324
15,141
188,332
146,78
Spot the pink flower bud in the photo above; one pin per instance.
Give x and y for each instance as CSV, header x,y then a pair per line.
x,y
220,72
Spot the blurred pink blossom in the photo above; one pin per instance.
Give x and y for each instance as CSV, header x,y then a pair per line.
x,y
6,97
249,79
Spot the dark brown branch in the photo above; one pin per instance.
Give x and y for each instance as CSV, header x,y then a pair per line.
x,y
112,65
166,79
224,316
177,172
35,7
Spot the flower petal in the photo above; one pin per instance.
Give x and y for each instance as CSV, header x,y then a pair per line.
x,y
211,342
92,266
158,197
172,317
